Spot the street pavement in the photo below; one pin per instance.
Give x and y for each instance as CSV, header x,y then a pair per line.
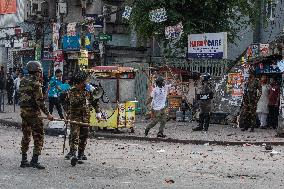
x,y
140,164
176,132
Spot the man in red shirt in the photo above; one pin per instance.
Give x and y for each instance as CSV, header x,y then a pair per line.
x,y
273,104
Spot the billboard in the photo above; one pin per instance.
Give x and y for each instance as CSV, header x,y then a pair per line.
x,y
207,45
8,7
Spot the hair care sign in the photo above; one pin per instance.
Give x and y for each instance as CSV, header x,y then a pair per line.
x,y
207,45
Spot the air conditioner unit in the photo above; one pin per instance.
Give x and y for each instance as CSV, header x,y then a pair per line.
x,y
109,9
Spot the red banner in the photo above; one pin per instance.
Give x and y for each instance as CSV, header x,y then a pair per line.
x,y
8,6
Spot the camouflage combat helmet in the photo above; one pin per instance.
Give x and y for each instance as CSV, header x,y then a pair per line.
x,y
34,66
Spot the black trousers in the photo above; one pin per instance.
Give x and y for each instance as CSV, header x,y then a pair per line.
x,y
273,116
204,120
10,96
54,101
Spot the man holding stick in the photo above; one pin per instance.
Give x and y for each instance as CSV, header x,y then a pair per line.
x,y
80,100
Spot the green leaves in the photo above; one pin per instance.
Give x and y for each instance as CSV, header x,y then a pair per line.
x,y
197,16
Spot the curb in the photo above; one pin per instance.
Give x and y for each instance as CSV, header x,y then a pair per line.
x,y
102,136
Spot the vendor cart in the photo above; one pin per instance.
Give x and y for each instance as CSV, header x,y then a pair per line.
x,y
118,102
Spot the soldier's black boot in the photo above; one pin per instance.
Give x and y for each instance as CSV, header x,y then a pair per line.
x,y
24,162
80,157
161,135
198,128
74,159
35,164
68,156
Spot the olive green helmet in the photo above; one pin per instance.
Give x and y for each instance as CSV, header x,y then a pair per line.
x,y
34,66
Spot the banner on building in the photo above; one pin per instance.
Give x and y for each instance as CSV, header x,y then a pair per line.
x,y
127,12
8,6
95,21
38,52
83,59
207,45
173,32
72,43
264,49
235,84
58,60
55,36
158,15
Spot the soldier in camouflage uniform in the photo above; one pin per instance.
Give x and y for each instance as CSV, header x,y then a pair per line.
x,y
79,110
251,96
31,104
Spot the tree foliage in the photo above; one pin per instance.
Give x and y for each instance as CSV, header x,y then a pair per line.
x,y
197,16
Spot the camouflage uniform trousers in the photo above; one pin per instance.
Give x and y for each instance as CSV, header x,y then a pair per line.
x,y
32,126
78,134
159,116
249,116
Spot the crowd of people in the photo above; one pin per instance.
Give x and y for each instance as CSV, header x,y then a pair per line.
x,y
260,105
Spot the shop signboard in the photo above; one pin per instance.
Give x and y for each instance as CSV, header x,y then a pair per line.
x,y
83,59
47,55
207,45
71,43
38,53
104,37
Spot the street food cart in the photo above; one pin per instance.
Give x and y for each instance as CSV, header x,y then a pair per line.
x,y
118,102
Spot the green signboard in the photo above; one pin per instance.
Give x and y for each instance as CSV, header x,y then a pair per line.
x,y
104,37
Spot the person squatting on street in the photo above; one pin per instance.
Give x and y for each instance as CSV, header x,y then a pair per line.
x,y
158,99
252,94
79,110
31,105
54,91
204,97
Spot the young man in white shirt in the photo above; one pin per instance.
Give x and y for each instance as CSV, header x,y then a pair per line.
x,y
159,99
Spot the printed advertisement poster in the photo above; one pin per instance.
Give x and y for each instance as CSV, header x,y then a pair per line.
x,y
158,15
83,59
253,51
173,32
110,123
207,45
55,36
264,49
235,84
130,113
121,115
58,60
8,6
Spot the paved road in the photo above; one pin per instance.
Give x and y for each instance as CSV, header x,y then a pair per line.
x,y
134,164
181,131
